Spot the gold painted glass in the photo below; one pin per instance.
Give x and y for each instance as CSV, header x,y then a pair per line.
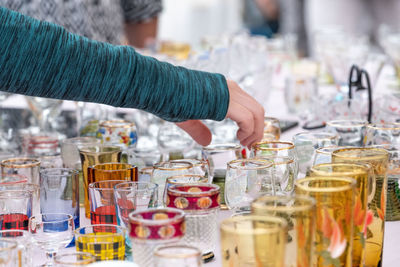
x,y
350,132
25,167
273,148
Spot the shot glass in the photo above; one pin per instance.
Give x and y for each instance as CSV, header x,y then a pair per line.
x,y
105,241
350,132
117,133
299,212
33,189
200,202
24,256
25,167
152,228
70,259
334,198
93,155
378,158
253,240
273,148
15,209
177,255
272,130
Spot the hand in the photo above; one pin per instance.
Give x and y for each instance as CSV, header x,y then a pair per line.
x,y
243,109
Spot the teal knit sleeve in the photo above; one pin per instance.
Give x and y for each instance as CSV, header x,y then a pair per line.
x,y
42,59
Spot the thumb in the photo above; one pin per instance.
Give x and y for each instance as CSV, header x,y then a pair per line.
x,y
197,130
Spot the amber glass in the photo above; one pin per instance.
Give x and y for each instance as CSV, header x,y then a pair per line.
x,y
334,198
378,158
299,212
362,173
95,155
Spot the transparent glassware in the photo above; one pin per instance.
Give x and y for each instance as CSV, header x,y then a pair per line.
x,y
32,189
200,202
299,91
382,134
16,209
26,167
247,179
350,132
324,154
273,148
253,240
386,107
143,156
145,174
177,255
152,228
272,130
24,255
8,253
43,144
51,232
44,110
50,162
200,166
70,259
118,133
105,241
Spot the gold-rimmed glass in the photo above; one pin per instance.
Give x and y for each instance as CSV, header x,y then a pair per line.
x,y
334,198
26,167
382,134
378,158
253,240
324,155
70,259
200,166
350,132
272,129
273,148
299,212
363,174
177,255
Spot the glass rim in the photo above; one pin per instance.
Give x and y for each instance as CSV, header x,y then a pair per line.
x,y
118,227
11,163
258,145
326,135
118,188
351,183
222,147
92,185
195,252
90,258
13,244
214,189
384,126
20,187
146,170
47,171
278,224
112,124
287,159
261,167
159,165
194,162
346,123
86,149
377,156
96,167
270,119
309,203
80,140
180,216
320,150
22,193
361,168
168,180
40,220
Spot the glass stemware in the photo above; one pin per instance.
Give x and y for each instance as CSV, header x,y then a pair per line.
x,y
45,110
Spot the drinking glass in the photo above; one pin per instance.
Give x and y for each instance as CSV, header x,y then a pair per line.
x,y
33,189
200,166
378,158
59,192
299,91
177,255
70,259
273,148
382,134
143,157
306,143
95,155
12,179
334,232
299,212
50,162
272,130
42,145
102,202
173,142
200,202
112,171
51,231
182,179
15,209
363,174
9,253
386,107
253,240
26,167
145,174
350,132
154,227
105,241
324,154
217,157
117,133
45,110
24,256
247,179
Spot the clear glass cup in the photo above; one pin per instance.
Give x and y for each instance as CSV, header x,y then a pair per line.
x,y
253,240
273,148
200,202
105,241
24,255
386,107
45,110
382,134
33,189
173,142
152,228
334,198
246,180
200,166
272,130
350,132
70,259
299,212
42,145
47,162
12,179
51,232
26,167
59,192
299,91
145,174
177,255
16,209
143,157
9,253
117,133
324,154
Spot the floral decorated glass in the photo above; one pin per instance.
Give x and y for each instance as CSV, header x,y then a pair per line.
x,y
253,240
350,132
93,155
177,255
154,227
273,148
200,202
182,179
16,209
363,174
247,179
217,157
71,259
26,167
24,257
117,133
272,130
105,241
306,143
378,158
334,202
299,211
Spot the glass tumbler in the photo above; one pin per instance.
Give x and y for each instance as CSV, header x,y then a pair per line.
x,y
24,256
324,155
15,209
25,167
70,259
200,202
93,155
382,134
253,240
117,133
28,187
273,148
152,228
334,198
182,179
177,255
9,253
299,212
350,132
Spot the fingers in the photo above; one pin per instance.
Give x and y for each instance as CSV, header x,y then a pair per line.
x,y
197,130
